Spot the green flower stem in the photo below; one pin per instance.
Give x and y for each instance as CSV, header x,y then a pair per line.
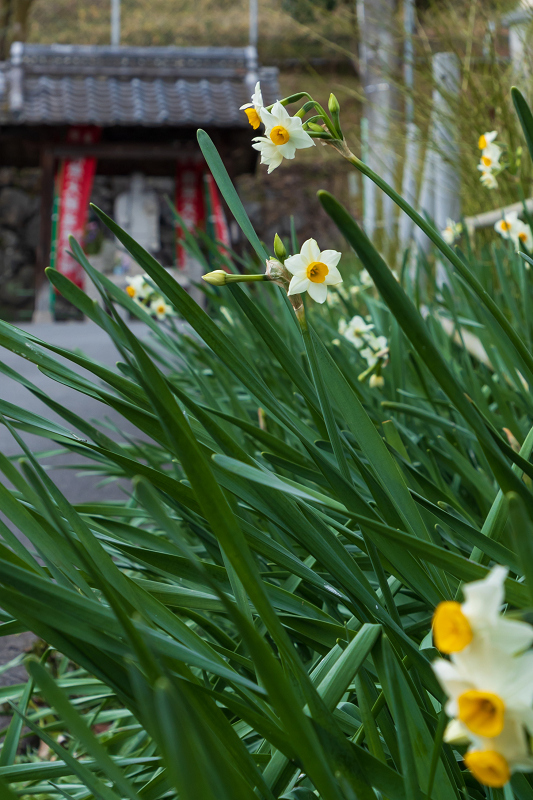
x,y
245,278
325,405
447,251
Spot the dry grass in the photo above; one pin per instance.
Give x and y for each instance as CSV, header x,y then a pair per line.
x,y
194,22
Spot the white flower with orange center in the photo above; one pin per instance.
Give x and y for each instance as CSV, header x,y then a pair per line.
x,y
160,308
253,109
509,225
313,271
138,288
524,236
490,157
489,692
493,760
486,139
462,629
283,136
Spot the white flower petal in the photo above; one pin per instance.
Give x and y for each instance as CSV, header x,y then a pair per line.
x,y
318,291
333,278
484,598
330,257
280,112
298,284
295,265
513,636
301,139
268,119
287,150
451,678
310,252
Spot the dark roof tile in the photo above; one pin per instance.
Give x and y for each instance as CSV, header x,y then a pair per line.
x,y
62,84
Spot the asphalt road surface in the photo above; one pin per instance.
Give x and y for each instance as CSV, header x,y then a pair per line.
x,y
93,342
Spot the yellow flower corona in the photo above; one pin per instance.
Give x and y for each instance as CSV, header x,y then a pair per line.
x,y
452,631
279,135
253,117
131,291
482,143
489,767
317,271
483,713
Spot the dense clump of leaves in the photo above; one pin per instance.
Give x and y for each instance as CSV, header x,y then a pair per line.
x,y
254,619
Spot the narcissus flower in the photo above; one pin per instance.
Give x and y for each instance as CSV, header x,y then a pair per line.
x,y
486,138
489,691
488,178
160,308
283,136
253,109
355,330
313,271
138,288
508,226
452,231
524,236
490,157
488,680
492,760
478,621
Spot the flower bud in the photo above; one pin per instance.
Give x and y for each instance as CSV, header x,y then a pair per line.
x,y
216,278
279,249
333,105
312,126
376,381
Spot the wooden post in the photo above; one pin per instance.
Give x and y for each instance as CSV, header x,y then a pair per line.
x,y
45,230
379,62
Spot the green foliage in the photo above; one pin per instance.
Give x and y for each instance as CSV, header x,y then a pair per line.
x,y
253,620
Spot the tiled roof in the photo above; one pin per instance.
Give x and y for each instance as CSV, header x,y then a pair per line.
x,y
65,84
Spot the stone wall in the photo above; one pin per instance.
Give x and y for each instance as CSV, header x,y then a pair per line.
x,y
19,235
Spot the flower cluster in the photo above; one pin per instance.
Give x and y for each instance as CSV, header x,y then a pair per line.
x,y
146,296
510,227
283,134
374,349
489,164
488,680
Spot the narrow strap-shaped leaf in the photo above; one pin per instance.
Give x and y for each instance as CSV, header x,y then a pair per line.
x,y
229,192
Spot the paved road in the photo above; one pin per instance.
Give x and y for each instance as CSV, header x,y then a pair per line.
x,y
93,342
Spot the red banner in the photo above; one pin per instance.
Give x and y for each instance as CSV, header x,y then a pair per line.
x,y
190,204
218,218
74,185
